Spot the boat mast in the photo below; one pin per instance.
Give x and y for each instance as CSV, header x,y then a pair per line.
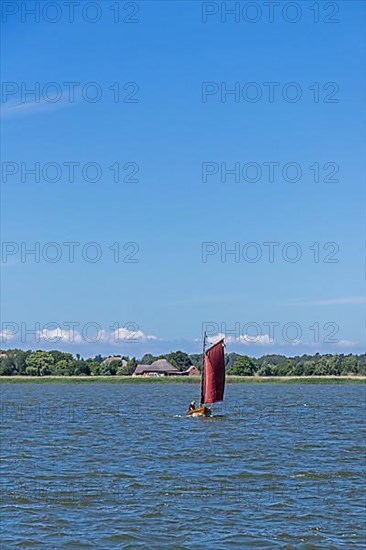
x,y
203,369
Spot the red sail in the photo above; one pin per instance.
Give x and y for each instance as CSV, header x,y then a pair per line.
x,y
214,375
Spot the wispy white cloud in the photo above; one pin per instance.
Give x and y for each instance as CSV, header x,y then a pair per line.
x,y
71,336
125,335
343,300
6,336
347,343
243,339
198,300
118,336
11,262
16,107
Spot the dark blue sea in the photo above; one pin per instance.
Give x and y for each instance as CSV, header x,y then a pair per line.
x,y
112,466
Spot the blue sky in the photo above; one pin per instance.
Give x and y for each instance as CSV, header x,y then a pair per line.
x,y
162,300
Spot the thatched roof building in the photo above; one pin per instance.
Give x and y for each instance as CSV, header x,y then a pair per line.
x,y
161,367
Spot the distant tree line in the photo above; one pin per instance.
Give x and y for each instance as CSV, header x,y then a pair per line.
x,y
17,362
300,365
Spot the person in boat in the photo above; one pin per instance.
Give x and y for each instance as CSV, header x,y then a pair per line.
x,y
192,406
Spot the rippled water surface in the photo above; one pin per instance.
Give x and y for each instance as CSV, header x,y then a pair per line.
x,y
119,466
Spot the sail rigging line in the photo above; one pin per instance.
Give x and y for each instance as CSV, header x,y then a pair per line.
x,y
203,370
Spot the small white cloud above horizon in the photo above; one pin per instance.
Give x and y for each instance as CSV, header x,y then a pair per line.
x,y
72,336
126,335
242,339
6,335
59,335
347,343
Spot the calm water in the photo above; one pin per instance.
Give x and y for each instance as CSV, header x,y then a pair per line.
x,y
115,466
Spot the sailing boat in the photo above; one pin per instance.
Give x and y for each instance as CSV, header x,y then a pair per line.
x,y
212,378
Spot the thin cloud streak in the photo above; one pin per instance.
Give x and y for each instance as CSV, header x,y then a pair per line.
x,y
344,300
201,300
16,108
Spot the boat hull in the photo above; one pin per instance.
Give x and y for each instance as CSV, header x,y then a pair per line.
x,y
200,411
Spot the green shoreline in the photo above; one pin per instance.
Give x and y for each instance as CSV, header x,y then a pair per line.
x,y
181,380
